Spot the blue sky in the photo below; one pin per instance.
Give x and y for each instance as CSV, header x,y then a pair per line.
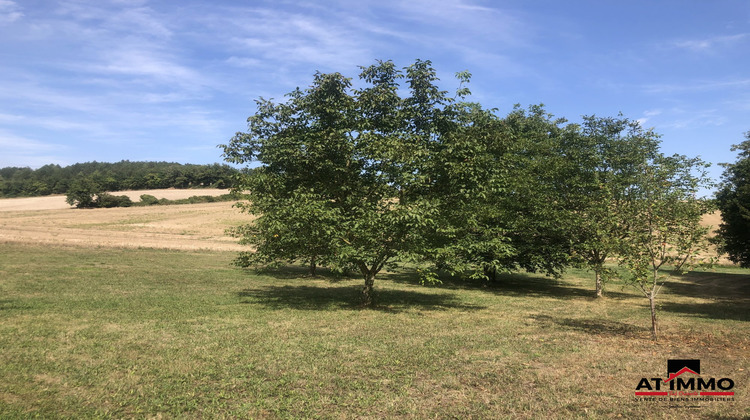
x,y
107,80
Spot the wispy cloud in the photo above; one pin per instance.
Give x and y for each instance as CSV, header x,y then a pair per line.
x,y
262,35
13,143
147,66
685,116
711,43
245,62
353,34
697,86
32,96
647,115
107,71
19,150
130,40
57,124
127,17
682,119
146,78
10,11
11,118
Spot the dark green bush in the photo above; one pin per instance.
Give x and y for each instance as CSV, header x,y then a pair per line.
x,y
108,200
149,200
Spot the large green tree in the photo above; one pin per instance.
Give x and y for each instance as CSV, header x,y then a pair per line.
x,y
354,166
499,188
469,180
733,201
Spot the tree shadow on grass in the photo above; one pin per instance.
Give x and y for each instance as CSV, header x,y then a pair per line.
x,y
731,309
729,294
710,285
540,286
314,298
290,272
515,284
599,327
348,297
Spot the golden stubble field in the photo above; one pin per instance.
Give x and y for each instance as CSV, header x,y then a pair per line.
x,y
49,220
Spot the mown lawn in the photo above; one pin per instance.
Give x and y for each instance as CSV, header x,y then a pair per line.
x,y
87,332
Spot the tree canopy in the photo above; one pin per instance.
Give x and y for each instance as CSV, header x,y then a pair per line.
x,y
398,170
733,200
346,173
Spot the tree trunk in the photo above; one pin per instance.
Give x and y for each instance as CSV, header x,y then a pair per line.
x,y
367,292
313,266
599,285
652,303
491,273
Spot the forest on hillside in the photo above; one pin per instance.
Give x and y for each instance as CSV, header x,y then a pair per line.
x,y
123,175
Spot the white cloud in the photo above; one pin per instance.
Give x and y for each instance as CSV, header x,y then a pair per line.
x,y
260,35
43,99
465,19
137,61
711,43
11,118
682,118
697,86
46,122
9,11
286,44
123,48
12,143
647,116
142,21
23,151
125,41
245,62
128,17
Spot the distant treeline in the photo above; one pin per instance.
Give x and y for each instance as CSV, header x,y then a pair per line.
x,y
123,175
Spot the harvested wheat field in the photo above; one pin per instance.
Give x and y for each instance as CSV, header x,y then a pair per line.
x,y
49,220
57,202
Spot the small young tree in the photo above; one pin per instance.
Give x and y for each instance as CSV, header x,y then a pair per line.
x,y
604,159
733,200
663,224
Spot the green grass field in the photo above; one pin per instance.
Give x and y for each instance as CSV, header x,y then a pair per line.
x,y
101,332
